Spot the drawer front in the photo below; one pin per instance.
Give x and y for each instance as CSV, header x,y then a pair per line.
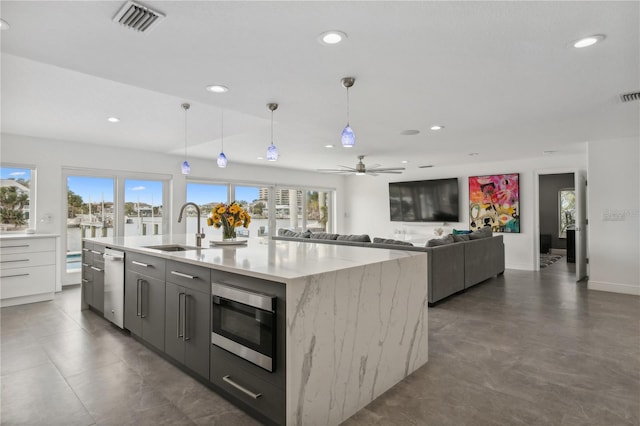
x,y
29,245
190,276
150,266
97,251
28,281
271,399
27,260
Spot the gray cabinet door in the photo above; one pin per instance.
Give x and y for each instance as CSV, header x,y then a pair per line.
x,y
198,335
174,321
132,320
152,310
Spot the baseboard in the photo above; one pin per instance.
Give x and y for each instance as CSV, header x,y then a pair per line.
x,y
519,266
614,287
559,252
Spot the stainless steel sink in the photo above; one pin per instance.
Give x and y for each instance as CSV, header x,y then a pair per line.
x,y
172,247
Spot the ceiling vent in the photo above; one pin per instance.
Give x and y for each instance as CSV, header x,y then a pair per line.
x,y
138,17
628,97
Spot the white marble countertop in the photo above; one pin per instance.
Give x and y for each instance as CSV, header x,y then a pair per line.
x,y
261,257
22,236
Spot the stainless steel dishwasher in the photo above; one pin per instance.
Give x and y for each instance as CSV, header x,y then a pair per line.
x,y
114,286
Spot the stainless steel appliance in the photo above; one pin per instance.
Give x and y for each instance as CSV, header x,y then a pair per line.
x,y
244,323
114,286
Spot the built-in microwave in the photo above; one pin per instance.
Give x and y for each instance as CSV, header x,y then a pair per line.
x,y
244,323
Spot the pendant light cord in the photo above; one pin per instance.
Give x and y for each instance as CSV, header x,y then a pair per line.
x,y
271,127
348,107
185,134
222,130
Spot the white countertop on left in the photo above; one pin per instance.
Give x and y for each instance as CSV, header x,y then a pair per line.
x,y
22,236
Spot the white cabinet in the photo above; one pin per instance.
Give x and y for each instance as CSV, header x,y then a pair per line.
x,y
27,269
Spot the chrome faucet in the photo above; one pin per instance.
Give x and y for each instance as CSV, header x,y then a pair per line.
x,y
199,235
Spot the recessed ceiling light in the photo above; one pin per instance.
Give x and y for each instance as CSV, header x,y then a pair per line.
x,y
404,162
332,37
473,154
588,41
328,146
113,120
217,88
4,25
436,127
409,132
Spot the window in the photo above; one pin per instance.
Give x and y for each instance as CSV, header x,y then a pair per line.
x,y
90,213
205,195
255,200
302,209
17,198
567,210
143,207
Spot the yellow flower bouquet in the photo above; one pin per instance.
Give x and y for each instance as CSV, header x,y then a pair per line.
x,y
228,217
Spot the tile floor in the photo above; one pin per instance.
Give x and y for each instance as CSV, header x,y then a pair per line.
x,y
526,348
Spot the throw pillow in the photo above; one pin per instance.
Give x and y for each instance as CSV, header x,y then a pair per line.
x,y
377,240
440,241
460,231
481,233
458,238
364,238
306,234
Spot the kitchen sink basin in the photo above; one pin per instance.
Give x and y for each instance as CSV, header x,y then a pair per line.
x,y
172,247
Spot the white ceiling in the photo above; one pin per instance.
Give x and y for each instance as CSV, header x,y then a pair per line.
x,y
501,76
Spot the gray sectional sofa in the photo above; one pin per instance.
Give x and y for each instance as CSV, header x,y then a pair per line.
x,y
455,262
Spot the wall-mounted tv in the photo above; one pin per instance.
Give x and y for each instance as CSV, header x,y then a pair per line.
x,y
424,201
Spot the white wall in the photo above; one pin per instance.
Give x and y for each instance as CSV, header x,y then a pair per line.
x,y
367,203
51,156
614,215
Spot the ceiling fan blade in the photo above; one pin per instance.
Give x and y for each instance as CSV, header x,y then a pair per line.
x,y
347,167
334,171
387,169
371,174
374,166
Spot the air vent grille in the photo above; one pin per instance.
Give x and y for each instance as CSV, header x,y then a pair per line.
x,y
137,17
628,97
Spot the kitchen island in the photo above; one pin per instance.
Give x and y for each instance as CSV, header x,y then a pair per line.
x,y
355,319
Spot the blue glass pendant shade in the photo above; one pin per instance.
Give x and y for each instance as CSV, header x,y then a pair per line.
x,y
186,168
272,153
222,160
348,138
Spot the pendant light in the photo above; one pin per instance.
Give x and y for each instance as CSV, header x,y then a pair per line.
x,y
186,168
222,159
272,151
348,138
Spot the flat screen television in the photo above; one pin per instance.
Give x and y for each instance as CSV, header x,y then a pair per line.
x,y
424,201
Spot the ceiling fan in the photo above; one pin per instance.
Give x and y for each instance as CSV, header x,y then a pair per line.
x,y
361,169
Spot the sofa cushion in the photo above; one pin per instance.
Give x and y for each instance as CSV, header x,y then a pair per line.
x,y
364,238
458,238
306,234
481,233
323,236
377,240
440,241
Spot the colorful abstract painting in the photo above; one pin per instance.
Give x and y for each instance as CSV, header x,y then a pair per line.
x,y
494,201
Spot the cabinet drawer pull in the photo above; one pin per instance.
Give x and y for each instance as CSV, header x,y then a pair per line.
x,y
11,261
17,275
85,280
85,249
96,252
97,269
138,298
144,265
180,274
85,264
25,245
241,388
